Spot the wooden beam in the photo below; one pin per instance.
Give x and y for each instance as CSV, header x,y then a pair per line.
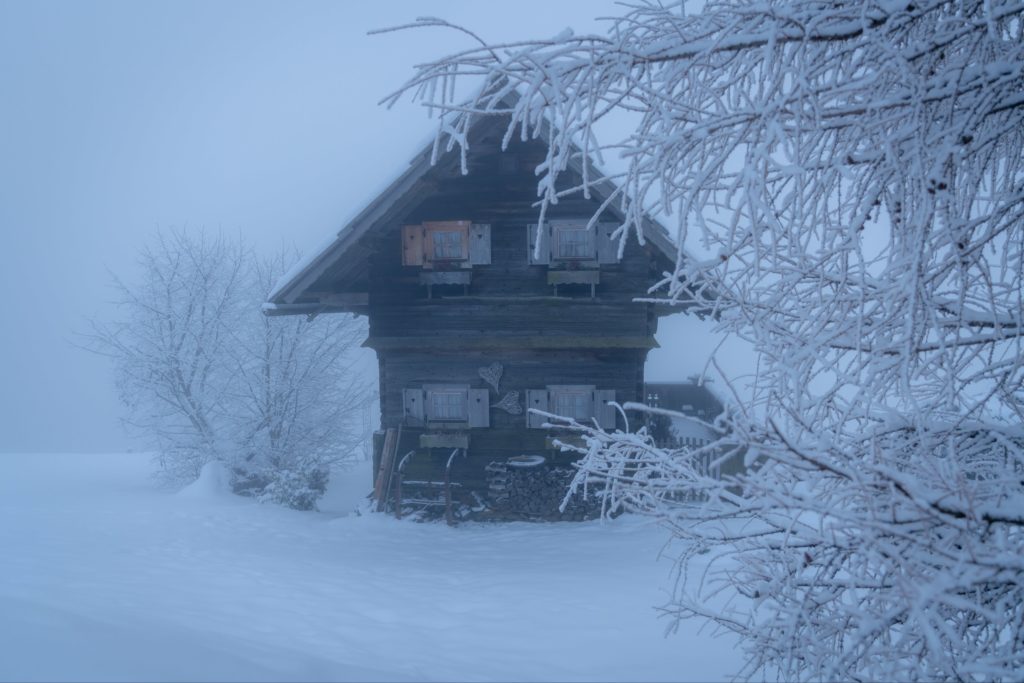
x,y
387,459
465,343
444,440
341,299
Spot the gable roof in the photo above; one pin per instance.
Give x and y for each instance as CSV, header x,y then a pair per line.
x,y
344,256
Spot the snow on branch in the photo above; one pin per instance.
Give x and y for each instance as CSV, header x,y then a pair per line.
x,y
854,173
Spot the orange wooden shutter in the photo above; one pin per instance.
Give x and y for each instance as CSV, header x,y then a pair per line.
x,y
412,245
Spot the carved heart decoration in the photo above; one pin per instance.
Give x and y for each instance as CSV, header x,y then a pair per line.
x,y
510,403
492,374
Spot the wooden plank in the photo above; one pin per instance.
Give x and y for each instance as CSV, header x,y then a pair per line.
x,y
444,440
495,343
387,460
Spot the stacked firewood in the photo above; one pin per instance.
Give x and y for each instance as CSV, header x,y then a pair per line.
x,y
536,493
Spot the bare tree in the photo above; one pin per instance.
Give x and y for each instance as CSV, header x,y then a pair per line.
x,y
167,345
854,173
300,398
206,377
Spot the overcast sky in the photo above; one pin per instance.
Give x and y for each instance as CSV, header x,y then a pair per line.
x,y
119,118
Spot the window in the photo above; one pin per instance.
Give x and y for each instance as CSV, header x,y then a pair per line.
x,y
447,241
581,402
447,244
448,405
572,243
575,403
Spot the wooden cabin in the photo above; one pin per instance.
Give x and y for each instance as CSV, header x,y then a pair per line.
x,y
474,324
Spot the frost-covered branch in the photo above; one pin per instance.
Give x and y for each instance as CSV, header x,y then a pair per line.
x,y
853,176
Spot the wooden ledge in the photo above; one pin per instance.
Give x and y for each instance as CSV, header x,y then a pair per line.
x,y
461,341
444,440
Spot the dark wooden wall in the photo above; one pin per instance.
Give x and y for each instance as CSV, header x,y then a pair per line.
x,y
604,341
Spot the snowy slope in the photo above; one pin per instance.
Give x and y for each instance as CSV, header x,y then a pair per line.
x,y
104,576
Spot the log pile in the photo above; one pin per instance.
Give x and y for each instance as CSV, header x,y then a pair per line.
x,y
536,493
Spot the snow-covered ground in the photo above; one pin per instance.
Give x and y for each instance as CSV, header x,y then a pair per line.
x,y
105,576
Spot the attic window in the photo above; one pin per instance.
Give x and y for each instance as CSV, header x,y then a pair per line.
x,y
573,242
446,244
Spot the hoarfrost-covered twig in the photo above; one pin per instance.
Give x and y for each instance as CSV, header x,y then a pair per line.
x,y
854,173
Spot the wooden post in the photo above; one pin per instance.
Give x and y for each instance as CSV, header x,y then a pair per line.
x,y
398,496
448,517
398,483
387,460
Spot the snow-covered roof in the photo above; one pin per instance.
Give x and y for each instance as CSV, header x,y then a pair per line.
x,y
342,252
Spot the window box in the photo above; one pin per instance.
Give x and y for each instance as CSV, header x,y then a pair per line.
x,y
575,277
444,440
460,278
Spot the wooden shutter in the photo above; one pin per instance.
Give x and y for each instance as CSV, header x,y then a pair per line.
x,y
607,248
536,399
480,244
604,411
544,257
412,245
479,408
412,402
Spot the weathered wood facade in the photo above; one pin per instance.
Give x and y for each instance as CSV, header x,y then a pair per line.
x,y
473,324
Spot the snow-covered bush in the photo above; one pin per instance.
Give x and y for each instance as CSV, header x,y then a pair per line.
x,y
298,483
207,377
852,176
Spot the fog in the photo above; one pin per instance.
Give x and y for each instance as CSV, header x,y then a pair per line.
x,y
121,118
